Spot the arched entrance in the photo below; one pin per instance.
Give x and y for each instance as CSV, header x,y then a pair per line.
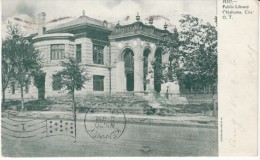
x,y
158,69
145,66
129,68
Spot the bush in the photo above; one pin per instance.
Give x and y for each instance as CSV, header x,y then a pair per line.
x,y
38,105
148,110
83,109
13,105
196,108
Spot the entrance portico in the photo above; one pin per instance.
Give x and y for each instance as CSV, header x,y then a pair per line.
x,y
130,70
137,57
134,68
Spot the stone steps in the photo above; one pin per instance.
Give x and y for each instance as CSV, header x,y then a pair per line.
x,y
129,105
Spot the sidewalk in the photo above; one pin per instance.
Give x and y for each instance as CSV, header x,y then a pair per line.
x,y
190,120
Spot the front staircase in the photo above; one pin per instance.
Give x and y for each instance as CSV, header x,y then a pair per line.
x,y
130,103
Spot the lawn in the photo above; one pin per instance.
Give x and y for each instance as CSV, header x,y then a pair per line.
x,y
129,104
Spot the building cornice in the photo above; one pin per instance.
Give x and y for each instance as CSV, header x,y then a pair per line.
x,y
138,29
81,64
56,36
79,27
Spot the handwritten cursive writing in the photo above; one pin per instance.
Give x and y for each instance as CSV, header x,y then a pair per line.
x,y
237,128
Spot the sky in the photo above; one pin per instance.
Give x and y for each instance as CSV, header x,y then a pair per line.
x,y
111,10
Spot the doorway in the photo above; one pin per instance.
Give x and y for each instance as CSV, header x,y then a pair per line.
x,y
129,69
158,70
145,66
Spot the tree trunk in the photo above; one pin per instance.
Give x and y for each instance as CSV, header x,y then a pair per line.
x,y
74,114
170,72
73,100
22,100
3,98
214,114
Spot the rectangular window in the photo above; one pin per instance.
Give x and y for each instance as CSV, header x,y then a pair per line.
x,y
56,82
98,83
98,52
78,53
57,51
13,87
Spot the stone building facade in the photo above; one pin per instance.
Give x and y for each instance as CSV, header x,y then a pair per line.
x,y
118,58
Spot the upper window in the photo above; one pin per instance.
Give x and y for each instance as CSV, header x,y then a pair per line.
x,y
98,53
78,53
57,51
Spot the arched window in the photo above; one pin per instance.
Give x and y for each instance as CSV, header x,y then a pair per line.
x,y
158,70
129,69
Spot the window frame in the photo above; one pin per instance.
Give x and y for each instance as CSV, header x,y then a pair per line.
x,y
56,53
98,83
97,58
55,81
79,50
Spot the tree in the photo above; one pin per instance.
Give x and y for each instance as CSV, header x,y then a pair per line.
x,y
192,55
73,78
198,52
39,82
8,57
193,61
21,59
7,66
165,71
72,75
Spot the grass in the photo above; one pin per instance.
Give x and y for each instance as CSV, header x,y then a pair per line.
x,y
196,108
32,105
38,105
133,105
185,108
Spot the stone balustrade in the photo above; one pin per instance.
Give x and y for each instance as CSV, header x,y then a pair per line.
x,y
140,28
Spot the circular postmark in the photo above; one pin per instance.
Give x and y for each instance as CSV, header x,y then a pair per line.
x,y
106,122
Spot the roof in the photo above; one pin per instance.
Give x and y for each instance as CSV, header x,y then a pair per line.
x,y
82,21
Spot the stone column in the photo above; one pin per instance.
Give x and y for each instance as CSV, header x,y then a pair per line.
x,y
123,77
138,70
120,77
150,86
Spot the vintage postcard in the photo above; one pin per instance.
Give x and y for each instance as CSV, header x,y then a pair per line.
x,y
129,78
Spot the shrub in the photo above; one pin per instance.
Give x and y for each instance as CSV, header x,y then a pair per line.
x,y
38,105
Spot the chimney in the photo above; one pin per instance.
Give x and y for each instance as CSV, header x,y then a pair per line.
x,y
41,23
